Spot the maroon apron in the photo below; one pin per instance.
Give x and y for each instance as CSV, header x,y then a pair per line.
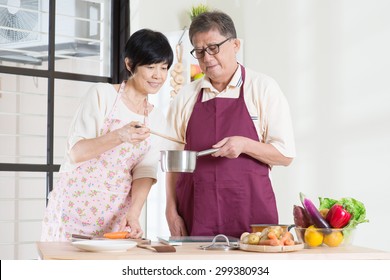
x,y
222,195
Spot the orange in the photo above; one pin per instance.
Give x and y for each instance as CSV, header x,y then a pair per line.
x,y
313,237
333,239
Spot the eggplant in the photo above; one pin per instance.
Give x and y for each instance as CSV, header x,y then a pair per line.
x,y
301,217
314,214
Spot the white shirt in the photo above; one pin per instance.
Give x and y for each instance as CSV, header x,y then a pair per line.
x,y
263,97
89,118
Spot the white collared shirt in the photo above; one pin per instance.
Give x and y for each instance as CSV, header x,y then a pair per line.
x,y
96,104
263,97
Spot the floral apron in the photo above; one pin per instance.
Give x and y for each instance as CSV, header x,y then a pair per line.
x,y
93,198
222,195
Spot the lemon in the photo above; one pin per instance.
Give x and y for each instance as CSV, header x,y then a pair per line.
x,y
313,237
333,239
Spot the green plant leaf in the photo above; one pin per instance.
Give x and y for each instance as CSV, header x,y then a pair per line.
x,y
197,10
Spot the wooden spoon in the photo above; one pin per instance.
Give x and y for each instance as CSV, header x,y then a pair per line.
x,y
163,135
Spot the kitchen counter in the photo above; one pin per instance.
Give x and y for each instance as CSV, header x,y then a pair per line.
x,y
191,251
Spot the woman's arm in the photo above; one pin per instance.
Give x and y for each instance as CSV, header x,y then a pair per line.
x,y
139,192
87,149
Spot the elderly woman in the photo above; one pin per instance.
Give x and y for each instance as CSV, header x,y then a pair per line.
x,y
111,160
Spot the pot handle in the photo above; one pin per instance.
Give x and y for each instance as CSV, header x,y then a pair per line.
x,y
206,152
290,227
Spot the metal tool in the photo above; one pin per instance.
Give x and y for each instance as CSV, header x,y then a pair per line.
x,y
221,246
181,161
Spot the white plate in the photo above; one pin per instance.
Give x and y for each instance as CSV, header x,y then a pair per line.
x,y
105,245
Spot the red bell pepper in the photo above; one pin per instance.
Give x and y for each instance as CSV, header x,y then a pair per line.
x,y
338,217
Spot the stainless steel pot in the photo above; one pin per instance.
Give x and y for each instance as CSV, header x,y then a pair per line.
x,y
181,161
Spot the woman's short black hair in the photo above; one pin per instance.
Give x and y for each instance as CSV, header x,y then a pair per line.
x,y
146,47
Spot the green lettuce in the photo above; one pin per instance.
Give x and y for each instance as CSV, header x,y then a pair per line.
x,y
353,206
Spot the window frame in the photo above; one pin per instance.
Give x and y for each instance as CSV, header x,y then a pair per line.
x,y
120,29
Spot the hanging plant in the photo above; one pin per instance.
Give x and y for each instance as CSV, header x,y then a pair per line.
x,y
197,10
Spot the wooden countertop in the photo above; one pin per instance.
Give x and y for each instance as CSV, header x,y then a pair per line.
x,y
65,251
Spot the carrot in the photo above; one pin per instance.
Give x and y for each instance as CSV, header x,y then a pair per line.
x,y
117,235
287,235
289,242
270,242
287,238
272,235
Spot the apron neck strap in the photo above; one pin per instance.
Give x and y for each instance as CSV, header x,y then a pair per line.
x,y
200,95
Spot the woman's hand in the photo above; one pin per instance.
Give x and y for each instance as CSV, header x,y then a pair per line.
x,y
133,133
139,192
131,224
86,149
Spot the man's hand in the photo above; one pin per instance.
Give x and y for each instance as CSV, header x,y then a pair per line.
x,y
230,147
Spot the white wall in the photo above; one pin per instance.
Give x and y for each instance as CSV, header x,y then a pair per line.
x,y
331,59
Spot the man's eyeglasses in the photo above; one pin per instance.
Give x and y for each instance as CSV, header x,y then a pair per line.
x,y
211,50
